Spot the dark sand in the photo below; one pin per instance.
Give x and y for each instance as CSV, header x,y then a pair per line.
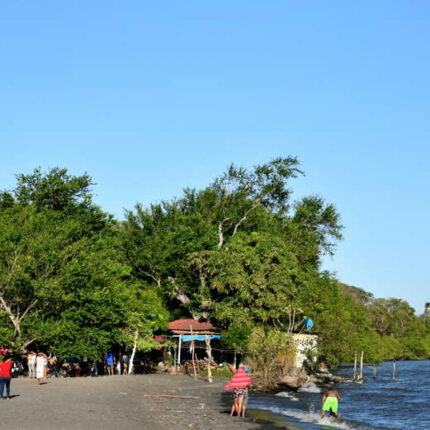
x,y
120,402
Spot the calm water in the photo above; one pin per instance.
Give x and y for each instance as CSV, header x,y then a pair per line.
x,y
378,403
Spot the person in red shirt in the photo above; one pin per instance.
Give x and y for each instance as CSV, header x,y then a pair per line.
x,y
5,376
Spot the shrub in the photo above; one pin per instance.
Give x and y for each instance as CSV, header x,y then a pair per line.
x,y
267,353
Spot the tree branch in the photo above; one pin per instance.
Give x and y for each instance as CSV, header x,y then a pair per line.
x,y
221,233
12,317
150,275
245,216
178,293
12,266
143,272
27,343
27,310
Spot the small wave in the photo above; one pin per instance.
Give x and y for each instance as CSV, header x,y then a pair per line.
x,y
287,395
315,418
309,387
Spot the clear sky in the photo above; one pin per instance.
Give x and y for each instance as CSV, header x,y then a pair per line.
x,y
151,97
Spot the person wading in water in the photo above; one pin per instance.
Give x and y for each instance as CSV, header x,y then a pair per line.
x,y
330,403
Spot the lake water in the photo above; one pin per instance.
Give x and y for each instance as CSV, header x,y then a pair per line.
x,y
378,403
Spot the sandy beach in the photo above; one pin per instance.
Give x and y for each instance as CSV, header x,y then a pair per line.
x,y
120,402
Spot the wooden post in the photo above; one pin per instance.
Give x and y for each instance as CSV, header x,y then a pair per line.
x,y
209,354
374,372
179,350
394,371
361,365
355,367
193,356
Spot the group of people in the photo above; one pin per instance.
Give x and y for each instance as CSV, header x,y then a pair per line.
x,y
120,364
241,381
40,366
37,366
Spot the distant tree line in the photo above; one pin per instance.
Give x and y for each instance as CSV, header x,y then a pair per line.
x,y
240,252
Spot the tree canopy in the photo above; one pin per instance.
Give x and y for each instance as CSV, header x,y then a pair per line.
x,y
62,285
242,252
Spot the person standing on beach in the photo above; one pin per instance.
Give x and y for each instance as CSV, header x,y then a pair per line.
x,y
41,364
95,368
125,361
5,376
240,383
330,404
31,363
110,363
52,365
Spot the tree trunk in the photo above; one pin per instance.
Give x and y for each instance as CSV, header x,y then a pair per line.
x,y
15,321
221,232
135,338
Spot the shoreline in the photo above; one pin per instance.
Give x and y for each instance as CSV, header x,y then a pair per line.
x,y
148,402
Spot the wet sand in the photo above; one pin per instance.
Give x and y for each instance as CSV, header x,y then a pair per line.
x,y
120,402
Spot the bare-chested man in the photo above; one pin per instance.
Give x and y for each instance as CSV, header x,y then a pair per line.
x,y
330,403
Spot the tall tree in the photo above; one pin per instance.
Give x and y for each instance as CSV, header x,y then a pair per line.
x,y
61,282
145,315
176,244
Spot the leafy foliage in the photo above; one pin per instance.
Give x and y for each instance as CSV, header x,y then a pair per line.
x,y
62,286
265,351
240,251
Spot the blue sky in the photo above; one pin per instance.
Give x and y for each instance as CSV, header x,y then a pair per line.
x,y
152,97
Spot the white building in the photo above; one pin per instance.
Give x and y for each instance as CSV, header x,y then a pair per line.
x,y
306,345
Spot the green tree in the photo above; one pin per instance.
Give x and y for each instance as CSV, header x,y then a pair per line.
x,y
176,245
62,284
391,316
257,279
55,190
157,242
145,315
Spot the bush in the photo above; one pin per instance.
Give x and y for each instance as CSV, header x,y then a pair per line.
x,y
267,353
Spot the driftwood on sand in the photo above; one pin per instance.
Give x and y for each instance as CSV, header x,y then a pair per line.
x,y
169,396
